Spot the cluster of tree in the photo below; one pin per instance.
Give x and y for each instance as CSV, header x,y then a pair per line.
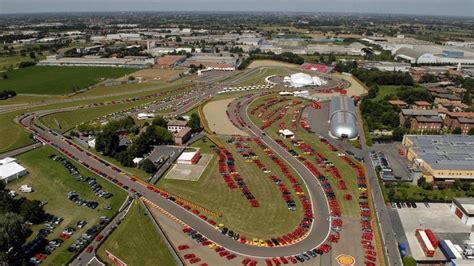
x,y
26,64
284,57
411,95
107,141
468,84
13,214
345,66
194,122
379,114
378,77
193,68
7,94
428,78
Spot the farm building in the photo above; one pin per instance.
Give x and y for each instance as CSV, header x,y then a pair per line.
x,y
10,170
191,157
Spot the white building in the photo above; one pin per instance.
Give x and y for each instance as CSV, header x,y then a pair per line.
x,y
191,157
299,80
10,170
463,208
176,125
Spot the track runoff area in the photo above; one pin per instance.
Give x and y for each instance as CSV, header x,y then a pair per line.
x,y
319,230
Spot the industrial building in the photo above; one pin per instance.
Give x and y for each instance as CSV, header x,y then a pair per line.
x,y
433,54
442,157
342,118
93,61
11,170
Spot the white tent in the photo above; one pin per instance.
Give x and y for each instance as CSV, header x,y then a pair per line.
x,y
10,169
301,79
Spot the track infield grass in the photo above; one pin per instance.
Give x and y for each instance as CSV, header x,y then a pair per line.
x,y
237,214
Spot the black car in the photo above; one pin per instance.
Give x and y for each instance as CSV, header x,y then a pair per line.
x,y
224,230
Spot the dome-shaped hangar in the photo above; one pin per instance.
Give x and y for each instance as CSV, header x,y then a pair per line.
x,y
342,118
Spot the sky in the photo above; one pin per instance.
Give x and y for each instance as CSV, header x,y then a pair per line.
x,y
411,7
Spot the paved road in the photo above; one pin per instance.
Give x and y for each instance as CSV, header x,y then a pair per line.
x,y
321,224
21,150
319,230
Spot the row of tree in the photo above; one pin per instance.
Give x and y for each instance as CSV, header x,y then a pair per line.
x,y
7,94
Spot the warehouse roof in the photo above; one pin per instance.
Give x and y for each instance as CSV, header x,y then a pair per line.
x,y
445,152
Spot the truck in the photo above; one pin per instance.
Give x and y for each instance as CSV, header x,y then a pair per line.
x,y
449,250
432,238
424,242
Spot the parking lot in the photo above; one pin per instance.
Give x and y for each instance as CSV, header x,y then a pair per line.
x,y
436,217
387,155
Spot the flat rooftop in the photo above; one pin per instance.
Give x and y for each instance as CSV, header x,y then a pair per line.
x,y
439,218
453,152
467,204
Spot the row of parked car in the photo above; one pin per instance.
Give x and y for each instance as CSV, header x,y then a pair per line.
x,y
74,197
406,204
92,182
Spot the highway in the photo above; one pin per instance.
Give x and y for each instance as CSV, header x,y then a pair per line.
x,y
317,234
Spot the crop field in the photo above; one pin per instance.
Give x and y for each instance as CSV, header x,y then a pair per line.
x,y
237,213
136,241
51,182
58,80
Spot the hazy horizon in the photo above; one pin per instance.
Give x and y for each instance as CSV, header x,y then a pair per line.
x,y
464,8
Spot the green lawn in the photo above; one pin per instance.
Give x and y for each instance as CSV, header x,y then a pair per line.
x,y
56,79
12,136
136,241
51,182
349,208
237,212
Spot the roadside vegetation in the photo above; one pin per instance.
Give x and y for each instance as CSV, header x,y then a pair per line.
x,y
136,241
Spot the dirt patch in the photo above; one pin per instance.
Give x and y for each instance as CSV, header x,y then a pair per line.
x,y
216,116
270,63
155,74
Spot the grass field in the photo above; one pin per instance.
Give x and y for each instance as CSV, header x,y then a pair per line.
x,y
12,135
51,182
350,208
57,80
68,120
237,212
136,241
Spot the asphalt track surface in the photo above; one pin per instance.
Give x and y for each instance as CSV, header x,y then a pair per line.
x,y
318,232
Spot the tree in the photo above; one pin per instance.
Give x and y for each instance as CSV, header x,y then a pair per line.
x,y
194,122
391,194
4,76
457,131
32,55
398,133
471,131
12,234
32,211
148,166
159,121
